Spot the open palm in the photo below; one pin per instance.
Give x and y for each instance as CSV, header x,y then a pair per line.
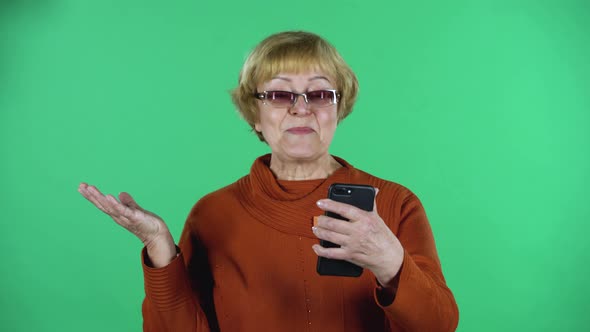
x,y
147,226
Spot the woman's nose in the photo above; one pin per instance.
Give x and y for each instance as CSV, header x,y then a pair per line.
x,y
300,107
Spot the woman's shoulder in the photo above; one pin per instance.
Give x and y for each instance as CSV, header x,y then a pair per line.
x,y
394,201
219,200
388,188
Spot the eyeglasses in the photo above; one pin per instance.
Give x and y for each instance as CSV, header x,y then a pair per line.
x,y
287,99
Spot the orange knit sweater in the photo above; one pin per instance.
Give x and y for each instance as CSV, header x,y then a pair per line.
x,y
246,264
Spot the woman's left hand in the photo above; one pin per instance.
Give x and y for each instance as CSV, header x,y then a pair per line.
x,y
364,240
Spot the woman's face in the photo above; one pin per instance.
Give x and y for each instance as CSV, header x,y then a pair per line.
x,y
302,131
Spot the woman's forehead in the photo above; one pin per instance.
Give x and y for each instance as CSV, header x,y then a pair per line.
x,y
303,79
309,76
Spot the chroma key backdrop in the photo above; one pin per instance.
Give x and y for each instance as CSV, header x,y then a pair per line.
x,y
482,108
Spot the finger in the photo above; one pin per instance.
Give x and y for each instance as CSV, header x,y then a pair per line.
x,y
123,215
121,221
328,235
336,225
92,200
108,204
93,196
83,190
114,205
126,199
123,210
348,211
129,213
90,195
375,201
333,253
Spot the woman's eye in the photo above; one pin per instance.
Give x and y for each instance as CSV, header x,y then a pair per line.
x,y
280,95
321,94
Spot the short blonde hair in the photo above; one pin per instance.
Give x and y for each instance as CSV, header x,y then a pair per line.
x,y
292,52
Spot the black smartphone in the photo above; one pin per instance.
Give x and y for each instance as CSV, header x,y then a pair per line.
x,y
361,196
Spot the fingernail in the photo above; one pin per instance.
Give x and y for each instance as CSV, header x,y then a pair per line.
x,y
314,229
320,203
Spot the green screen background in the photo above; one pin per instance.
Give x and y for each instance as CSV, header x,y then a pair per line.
x,y
482,108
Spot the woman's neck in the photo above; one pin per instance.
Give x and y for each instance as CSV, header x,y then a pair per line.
x,y
297,170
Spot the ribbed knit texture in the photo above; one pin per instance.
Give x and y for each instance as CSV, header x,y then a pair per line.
x,y
246,264
284,210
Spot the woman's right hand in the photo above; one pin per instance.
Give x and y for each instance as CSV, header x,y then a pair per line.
x,y
147,226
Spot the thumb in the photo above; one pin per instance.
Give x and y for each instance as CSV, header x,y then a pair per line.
x,y
375,201
126,199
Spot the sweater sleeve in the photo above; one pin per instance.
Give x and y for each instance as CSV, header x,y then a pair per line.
x,y
171,302
422,301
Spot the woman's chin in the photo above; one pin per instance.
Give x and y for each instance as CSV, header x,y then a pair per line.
x,y
301,152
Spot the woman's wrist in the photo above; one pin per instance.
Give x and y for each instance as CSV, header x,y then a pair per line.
x,y
161,252
388,272
385,279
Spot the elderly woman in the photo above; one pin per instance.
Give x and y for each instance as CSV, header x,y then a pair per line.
x,y
246,259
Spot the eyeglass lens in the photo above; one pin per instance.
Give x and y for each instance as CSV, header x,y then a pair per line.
x,y
317,98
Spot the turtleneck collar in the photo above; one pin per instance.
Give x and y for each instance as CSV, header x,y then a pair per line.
x,y
288,206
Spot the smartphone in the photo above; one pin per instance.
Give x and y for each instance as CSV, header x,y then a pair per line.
x,y
361,196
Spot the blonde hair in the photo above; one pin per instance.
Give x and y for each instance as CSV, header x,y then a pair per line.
x,y
292,52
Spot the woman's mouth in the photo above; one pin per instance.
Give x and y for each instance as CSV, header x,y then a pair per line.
x,y
300,130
